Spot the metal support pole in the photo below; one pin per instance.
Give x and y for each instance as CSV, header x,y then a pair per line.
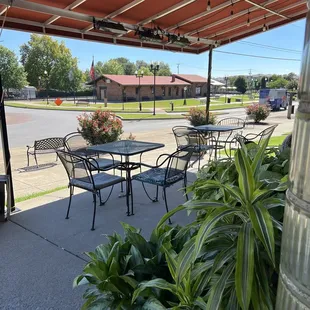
x,y
209,84
226,89
294,280
6,152
140,106
290,104
154,92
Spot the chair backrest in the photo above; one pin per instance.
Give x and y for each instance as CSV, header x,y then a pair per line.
x,y
257,138
266,134
178,163
74,142
49,143
231,121
187,136
77,167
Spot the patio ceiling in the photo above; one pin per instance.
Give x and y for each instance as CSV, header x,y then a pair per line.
x,y
175,25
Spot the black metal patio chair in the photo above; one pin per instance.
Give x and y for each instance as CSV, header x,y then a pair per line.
x,y
257,138
80,173
189,136
226,139
171,170
75,143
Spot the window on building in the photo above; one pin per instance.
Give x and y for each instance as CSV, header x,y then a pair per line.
x,y
198,91
169,92
164,91
152,88
137,90
177,91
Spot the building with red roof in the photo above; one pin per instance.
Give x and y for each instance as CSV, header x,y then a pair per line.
x,y
124,88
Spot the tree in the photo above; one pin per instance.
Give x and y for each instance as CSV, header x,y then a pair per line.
x,y
164,69
292,85
112,67
47,62
146,70
12,73
240,84
128,66
291,76
280,82
141,63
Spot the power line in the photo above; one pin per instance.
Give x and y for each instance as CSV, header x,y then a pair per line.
x,y
258,56
269,47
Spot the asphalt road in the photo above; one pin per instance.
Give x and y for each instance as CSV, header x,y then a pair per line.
x,y
40,124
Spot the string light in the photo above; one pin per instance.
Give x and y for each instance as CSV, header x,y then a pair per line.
x,y
248,21
198,37
178,35
209,5
232,8
265,27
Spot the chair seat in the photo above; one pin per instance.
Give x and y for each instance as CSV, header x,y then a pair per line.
x,y
101,180
156,176
103,163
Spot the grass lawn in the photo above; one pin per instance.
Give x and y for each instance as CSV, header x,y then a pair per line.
x,y
277,140
129,107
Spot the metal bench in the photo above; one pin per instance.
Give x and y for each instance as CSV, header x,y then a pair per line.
x,y
78,102
45,146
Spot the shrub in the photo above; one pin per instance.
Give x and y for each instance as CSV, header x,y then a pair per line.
x,y
100,127
258,112
198,116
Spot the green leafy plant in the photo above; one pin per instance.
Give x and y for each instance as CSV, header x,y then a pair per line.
x,y
100,127
259,112
116,268
198,117
227,258
236,236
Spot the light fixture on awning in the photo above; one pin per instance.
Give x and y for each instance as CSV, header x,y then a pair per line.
x,y
109,26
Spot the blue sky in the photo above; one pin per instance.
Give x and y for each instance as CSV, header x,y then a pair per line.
x,y
290,36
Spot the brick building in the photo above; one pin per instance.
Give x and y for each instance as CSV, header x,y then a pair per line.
x,y
124,88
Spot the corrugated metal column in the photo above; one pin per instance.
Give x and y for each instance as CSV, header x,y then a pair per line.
x,y
294,283
209,83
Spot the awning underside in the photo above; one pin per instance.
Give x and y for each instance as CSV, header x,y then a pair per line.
x,y
173,25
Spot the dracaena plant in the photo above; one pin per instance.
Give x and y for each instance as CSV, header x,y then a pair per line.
x,y
116,268
235,239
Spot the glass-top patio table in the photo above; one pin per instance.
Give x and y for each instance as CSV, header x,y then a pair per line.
x,y
205,129
127,148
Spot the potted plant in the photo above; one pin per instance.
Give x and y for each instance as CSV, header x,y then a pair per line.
x,y
100,127
198,117
258,112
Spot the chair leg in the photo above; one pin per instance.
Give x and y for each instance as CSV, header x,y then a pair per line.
x,y
94,214
70,198
185,187
166,204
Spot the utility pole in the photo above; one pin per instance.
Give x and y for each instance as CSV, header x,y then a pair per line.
x,y
250,82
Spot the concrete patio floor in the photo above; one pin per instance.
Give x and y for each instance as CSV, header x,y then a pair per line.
x,y
42,252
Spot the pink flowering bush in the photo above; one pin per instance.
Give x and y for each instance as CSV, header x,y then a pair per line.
x,y
198,117
258,112
100,127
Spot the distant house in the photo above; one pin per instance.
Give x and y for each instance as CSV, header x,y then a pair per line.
x,y
125,88
198,84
